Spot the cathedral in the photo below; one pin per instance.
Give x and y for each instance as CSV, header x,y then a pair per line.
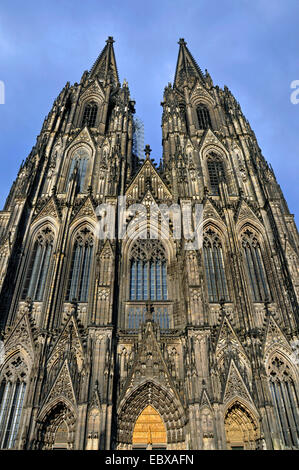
x,y
117,333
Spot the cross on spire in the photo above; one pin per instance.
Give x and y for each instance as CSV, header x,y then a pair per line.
x,y
182,42
147,151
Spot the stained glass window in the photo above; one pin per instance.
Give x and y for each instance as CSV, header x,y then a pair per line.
x,y
148,273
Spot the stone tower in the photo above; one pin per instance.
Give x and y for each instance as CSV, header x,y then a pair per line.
x,y
113,341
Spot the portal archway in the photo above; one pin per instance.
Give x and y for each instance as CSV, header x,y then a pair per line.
x,y
167,406
241,428
149,430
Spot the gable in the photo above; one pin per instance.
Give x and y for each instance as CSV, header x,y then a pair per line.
x,y
148,179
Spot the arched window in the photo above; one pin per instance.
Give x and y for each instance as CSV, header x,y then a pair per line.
x,y
203,116
90,114
285,400
216,171
214,267
12,393
56,430
80,161
255,267
79,274
36,275
148,278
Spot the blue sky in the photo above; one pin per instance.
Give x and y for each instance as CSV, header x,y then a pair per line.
x,y
249,45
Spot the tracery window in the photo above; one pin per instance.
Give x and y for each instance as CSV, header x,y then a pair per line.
x,y
203,116
216,171
37,271
255,267
148,271
90,114
81,261
12,393
80,161
214,267
285,400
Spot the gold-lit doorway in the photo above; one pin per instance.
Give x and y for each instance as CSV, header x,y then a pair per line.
x,y
241,428
149,431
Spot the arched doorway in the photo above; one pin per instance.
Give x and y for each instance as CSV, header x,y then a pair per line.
x,y
149,430
55,430
164,403
241,428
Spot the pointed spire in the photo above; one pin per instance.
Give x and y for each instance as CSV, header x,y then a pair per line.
x,y
186,69
105,66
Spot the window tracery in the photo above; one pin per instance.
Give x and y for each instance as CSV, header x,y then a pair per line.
x,y
148,271
214,267
203,116
90,114
37,271
13,382
80,160
80,268
285,400
215,171
255,267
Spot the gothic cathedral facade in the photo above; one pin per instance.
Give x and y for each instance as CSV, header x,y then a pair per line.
x,y
120,342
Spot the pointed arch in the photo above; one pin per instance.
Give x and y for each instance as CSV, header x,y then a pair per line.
x,y
149,430
90,112
214,264
215,170
283,379
81,250
56,426
254,262
13,383
241,426
203,117
164,402
38,264
148,270
79,155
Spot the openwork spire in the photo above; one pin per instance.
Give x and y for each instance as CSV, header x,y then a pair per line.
x,y
105,67
186,69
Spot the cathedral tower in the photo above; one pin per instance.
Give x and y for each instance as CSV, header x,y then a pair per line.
x,y
120,334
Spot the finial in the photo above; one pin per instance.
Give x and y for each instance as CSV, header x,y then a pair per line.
x,y
182,42
147,151
110,40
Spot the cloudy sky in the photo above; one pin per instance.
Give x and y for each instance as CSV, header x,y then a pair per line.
x,y
249,45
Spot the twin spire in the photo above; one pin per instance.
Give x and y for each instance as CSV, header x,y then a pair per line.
x,y
186,69
105,66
